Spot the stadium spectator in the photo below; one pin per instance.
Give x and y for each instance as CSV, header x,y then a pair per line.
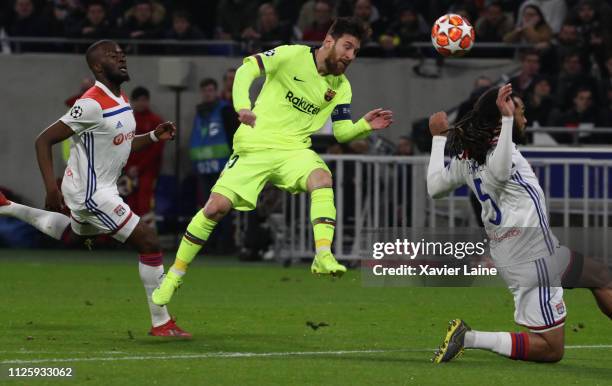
x,y
213,130
409,27
143,167
469,9
289,10
182,29
555,50
365,11
307,13
268,31
531,27
95,25
530,67
228,84
233,16
583,114
57,15
317,30
593,31
539,101
141,23
571,77
554,11
494,24
26,23
404,146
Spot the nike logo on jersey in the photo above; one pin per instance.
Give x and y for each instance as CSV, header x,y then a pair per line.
x,y
119,125
296,79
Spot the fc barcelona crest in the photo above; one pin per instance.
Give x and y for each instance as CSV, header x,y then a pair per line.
x,y
329,94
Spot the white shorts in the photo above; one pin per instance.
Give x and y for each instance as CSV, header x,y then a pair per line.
x,y
538,292
105,213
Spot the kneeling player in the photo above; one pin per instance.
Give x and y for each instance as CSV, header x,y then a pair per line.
x,y
530,261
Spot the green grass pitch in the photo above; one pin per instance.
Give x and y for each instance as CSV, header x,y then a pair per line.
x,y
87,311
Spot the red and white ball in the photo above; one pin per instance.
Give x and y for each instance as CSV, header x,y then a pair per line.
x,y
452,35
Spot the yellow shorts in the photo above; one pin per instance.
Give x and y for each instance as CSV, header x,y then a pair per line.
x,y
246,174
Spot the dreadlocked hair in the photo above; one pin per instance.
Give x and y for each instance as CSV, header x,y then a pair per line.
x,y
472,136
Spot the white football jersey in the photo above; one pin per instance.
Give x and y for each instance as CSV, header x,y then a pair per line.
x,y
513,212
513,205
104,127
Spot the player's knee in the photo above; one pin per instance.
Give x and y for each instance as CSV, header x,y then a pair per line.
x,y
555,354
216,209
319,179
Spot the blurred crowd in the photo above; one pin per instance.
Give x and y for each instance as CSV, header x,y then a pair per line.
x,y
394,24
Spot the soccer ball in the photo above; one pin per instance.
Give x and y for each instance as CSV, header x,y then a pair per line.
x,y
452,35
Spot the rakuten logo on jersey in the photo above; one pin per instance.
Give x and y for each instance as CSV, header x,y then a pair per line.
x,y
302,104
120,138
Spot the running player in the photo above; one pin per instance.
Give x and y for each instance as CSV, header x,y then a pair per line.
x,y
304,86
525,251
102,128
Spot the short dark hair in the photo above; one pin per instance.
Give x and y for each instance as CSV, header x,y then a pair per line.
x,y
140,92
101,3
349,26
209,81
583,88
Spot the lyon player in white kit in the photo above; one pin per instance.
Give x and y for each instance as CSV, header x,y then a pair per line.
x,y
102,128
525,251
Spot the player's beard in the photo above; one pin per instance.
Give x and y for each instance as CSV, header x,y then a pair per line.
x,y
118,77
333,64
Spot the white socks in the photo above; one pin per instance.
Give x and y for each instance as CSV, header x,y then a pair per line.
x,y
50,223
499,342
151,277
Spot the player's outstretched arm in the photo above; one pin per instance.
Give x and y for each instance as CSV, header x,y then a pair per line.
x,y
499,162
440,180
345,130
53,134
163,132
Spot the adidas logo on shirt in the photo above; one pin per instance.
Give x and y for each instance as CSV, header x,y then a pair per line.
x,y
119,125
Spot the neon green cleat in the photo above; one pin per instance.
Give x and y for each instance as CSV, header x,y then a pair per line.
x,y
326,263
163,294
452,347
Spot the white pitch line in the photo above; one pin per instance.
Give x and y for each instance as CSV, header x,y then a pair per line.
x,y
242,355
210,355
590,346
